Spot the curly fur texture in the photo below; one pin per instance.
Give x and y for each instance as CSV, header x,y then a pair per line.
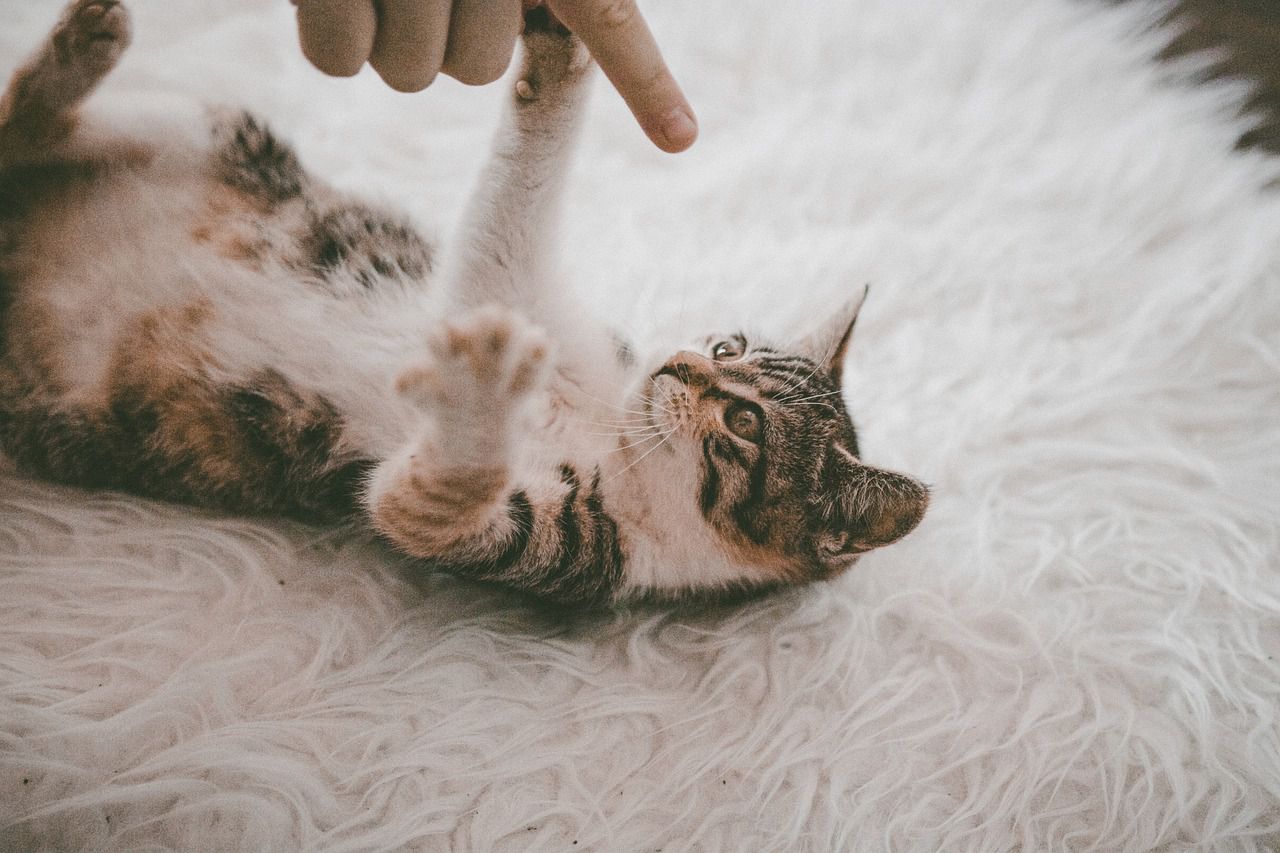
x,y
1072,335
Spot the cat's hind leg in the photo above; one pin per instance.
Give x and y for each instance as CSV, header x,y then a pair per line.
x,y
38,108
463,497
446,493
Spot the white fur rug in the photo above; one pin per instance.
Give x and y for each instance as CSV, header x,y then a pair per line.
x,y
1073,333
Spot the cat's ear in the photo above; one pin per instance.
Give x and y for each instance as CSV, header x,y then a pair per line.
x,y
829,343
872,507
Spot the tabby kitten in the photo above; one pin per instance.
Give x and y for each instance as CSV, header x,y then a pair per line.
x,y
186,314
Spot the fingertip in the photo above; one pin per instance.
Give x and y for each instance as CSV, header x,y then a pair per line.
x,y
334,67
678,130
482,40
672,131
405,80
336,40
475,75
409,48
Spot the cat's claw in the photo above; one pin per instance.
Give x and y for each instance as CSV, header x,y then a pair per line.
x,y
491,358
93,33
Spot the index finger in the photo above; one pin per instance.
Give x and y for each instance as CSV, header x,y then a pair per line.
x,y
620,41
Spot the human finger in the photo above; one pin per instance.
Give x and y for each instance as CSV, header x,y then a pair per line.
x,y
337,35
409,46
620,41
482,38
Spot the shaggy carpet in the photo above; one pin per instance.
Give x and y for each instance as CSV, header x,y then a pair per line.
x,y
1073,334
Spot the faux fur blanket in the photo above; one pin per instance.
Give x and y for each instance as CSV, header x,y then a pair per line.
x,y
1073,334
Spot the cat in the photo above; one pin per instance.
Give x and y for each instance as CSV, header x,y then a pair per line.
x,y
186,314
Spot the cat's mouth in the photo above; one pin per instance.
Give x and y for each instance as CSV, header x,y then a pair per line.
x,y
666,399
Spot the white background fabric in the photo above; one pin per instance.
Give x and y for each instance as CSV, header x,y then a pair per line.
x,y
1073,334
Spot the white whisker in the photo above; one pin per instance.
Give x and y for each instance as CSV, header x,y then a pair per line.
x,y
622,433
661,435
794,385
790,400
613,406
645,455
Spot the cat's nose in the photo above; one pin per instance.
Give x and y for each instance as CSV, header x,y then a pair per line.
x,y
696,371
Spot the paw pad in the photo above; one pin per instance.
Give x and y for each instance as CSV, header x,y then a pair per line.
x,y
491,357
96,30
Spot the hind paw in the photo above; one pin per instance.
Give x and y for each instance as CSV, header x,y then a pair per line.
x,y
489,360
92,34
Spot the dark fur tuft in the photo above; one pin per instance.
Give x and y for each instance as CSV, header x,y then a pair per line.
x,y
369,245
255,162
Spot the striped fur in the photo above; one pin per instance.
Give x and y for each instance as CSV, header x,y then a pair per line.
x,y
194,317
796,498
567,551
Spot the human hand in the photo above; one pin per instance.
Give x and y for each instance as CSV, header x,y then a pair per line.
x,y
408,42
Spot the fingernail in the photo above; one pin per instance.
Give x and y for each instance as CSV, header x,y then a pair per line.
x,y
679,129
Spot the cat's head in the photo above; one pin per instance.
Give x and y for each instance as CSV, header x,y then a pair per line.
x,y
767,446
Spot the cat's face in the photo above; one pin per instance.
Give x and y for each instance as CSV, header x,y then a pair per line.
x,y
776,455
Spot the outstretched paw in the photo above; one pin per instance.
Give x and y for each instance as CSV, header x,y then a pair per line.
x,y
552,57
486,363
92,34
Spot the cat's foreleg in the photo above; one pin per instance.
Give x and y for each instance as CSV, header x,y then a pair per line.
x,y
508,240
38,108
508,246
462,496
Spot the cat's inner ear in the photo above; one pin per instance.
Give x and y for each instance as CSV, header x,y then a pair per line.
x,y
829,343
870,507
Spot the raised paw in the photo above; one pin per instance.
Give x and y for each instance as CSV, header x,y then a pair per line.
x,y
553,57
489,360
92,33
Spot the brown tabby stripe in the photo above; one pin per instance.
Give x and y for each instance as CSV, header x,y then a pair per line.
x,y
725,448
567,522
787,361
278,449
710,492
520,514
6,300
256,162
793,388
581,564
367,244
745,512
800,377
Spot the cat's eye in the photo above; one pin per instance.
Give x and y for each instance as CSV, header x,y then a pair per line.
x,y
745,420
729,350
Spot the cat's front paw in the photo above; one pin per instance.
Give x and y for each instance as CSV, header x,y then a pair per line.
x,y
92,34
552,56
483,364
